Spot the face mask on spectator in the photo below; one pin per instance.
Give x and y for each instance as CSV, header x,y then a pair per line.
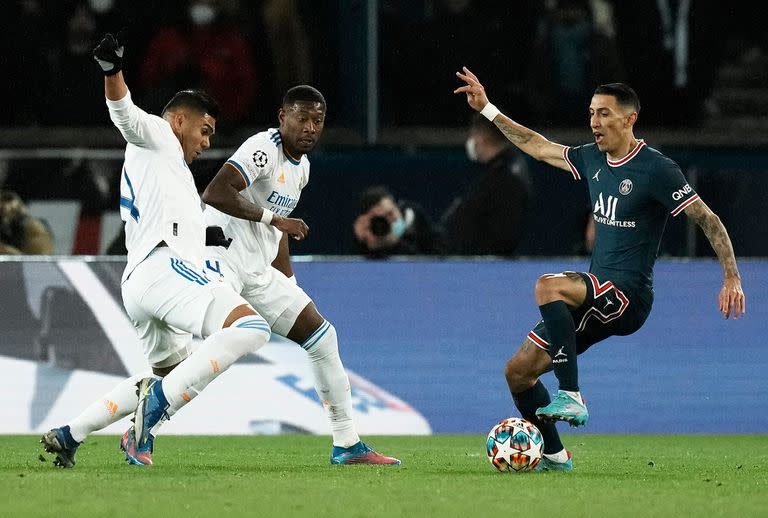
x,y
202,14
471,147
101,6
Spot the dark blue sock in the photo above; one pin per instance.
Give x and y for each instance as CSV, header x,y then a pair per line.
x,y
527,402
562,343
157,390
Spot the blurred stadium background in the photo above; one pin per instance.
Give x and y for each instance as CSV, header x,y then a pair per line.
x,y
386,69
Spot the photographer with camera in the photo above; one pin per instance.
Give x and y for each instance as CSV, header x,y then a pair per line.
x,y
20,233
387,227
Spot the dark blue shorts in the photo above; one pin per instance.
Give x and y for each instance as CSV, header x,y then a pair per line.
x,y
607,310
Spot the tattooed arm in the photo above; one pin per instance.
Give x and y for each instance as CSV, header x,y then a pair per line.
x,y
731,299
526,139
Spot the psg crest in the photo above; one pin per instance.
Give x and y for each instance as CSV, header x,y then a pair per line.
x,y
625,187
260,158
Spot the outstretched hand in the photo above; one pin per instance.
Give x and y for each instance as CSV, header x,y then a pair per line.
x,y
476,97
731,299
294,227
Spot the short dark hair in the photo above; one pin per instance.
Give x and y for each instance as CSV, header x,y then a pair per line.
x,y
196,100
303,93
373,195
481,123
623,93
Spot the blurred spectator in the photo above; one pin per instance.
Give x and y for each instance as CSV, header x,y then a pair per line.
x,y
574,51
206,50
675,48
21,233
288,44
490,218
25,60
69,100
387,227
424,42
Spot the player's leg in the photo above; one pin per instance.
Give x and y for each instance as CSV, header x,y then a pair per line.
x,y
522,373
557,295
164,346
186,299
291,313
110,408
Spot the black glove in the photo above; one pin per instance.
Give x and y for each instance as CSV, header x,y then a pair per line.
x,y
109,53
214,236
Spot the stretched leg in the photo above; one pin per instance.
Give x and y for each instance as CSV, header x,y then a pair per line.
x,y
318,337
243,331
119,402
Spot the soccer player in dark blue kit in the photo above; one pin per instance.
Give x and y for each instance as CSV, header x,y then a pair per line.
x,y
633,188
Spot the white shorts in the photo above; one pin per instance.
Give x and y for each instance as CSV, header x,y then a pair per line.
x,y
167,300
276,298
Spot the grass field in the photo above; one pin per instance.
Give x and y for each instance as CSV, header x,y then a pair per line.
x,y
441,476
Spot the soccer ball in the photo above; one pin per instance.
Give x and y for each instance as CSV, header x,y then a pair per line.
x,y
514,445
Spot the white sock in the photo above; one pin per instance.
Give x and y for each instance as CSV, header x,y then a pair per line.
x,y
575,395
560,457
110,408
215,355
332,383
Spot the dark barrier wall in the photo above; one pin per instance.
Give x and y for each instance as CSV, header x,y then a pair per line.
x,y
438,334
732,182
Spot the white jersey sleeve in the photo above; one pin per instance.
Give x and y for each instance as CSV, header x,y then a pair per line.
x,y
257,158
140,128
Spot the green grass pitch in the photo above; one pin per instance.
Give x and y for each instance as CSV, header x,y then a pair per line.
x,y
615,476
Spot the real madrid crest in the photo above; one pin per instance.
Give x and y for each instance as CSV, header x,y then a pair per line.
x,y
260,158
625,187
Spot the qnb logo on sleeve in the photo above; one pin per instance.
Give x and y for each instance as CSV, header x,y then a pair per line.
x,y
682,193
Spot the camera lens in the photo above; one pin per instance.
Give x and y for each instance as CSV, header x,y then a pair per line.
x,y
380,226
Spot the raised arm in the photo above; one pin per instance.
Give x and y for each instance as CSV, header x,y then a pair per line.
x,y
526,139
223,193
731,300
137,126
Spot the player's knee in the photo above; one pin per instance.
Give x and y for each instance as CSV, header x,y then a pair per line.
x,y
241,311
247,334
548,289
323,343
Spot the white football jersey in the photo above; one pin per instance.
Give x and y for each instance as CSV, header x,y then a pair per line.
x,y
158,197
273,181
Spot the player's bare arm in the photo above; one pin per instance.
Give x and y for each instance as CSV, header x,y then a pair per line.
x,y
731,300
524,138
282,261
223,193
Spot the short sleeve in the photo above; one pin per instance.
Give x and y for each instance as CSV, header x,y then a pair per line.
x,y
671,189
574,157
254,159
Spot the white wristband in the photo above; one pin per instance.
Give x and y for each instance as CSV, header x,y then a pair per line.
x,y
490,112
266,216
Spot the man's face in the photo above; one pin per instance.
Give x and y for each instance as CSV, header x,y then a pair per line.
x,y
301,125
609,122
194,131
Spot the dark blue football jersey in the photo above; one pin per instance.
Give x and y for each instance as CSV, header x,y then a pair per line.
x,y
631,200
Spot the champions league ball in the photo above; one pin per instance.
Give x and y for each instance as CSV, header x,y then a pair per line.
x,y
514,445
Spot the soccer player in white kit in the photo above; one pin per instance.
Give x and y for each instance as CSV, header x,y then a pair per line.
x,y
166,292
250,198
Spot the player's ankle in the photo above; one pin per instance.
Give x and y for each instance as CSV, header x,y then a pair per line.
x,y
575,395
559,457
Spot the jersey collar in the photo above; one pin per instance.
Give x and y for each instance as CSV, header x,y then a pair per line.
x,y
632,154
